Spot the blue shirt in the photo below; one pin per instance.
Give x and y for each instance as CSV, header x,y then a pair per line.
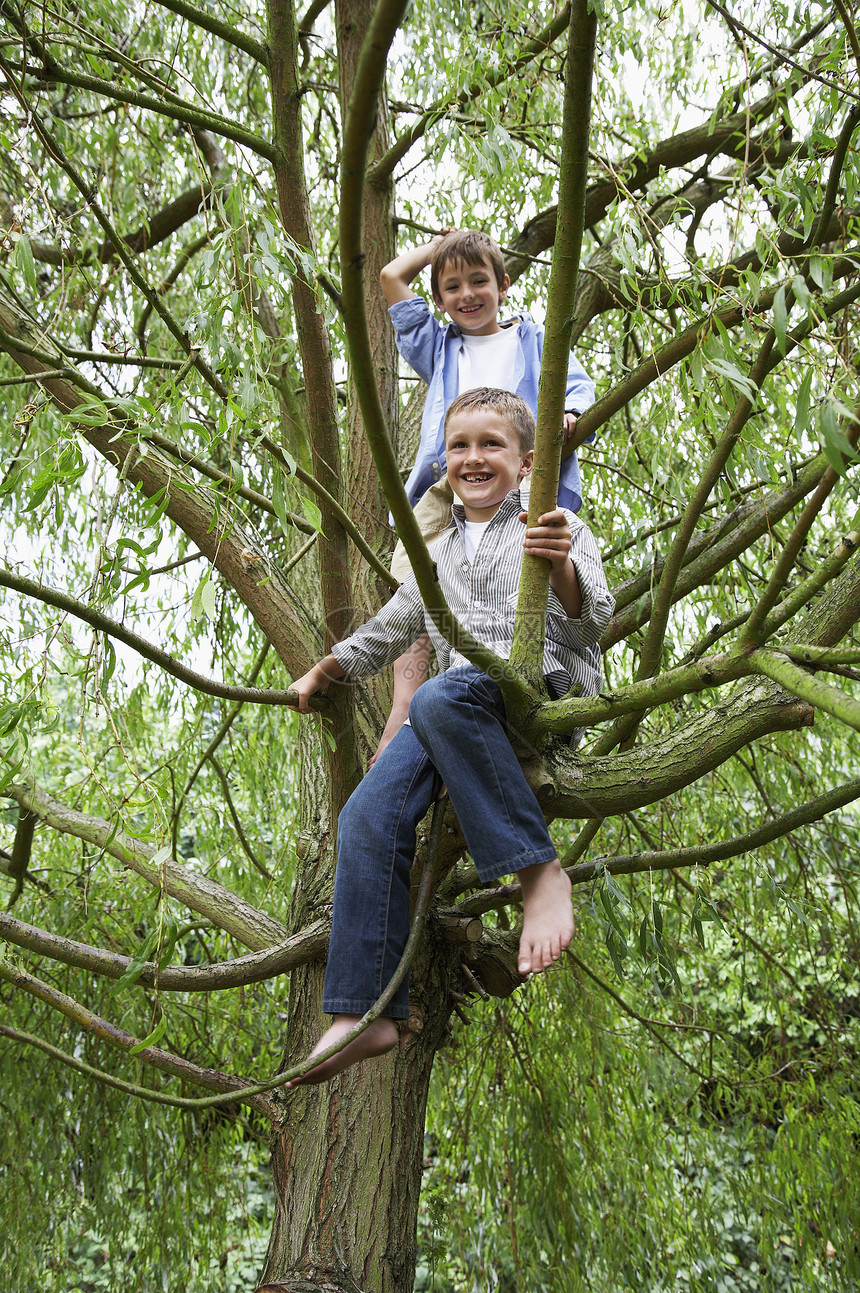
x,y
433,351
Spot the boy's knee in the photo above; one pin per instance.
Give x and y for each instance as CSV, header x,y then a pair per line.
x,y
425,702
434,706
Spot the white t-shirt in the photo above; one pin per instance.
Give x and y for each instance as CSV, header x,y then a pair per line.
x,y
489,361
474,532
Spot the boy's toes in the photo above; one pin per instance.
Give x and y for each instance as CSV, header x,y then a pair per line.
x,y
524,964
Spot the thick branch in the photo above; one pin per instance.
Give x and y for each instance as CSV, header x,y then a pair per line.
x,y
218,27
603,786
334,556
308,945
815,691
530,624
359,128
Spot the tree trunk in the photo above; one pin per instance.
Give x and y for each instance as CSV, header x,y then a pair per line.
x,y
348,1156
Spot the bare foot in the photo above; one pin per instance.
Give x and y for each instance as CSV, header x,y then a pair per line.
x,y
547,916
377,1038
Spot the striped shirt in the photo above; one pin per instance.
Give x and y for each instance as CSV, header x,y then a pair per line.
x,y
483,597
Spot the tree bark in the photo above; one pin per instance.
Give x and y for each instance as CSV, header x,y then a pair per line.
x,y
348,1156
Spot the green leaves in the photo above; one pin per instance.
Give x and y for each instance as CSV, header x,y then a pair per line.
x,y
836,445
27,264
68,466
204,598
157,946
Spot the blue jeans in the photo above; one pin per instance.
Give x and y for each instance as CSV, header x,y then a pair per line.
x,y
457,737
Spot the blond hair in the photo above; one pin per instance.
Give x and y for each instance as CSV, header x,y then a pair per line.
x,y
510,407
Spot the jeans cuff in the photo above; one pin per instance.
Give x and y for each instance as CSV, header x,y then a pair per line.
x,y
534,857
344,1006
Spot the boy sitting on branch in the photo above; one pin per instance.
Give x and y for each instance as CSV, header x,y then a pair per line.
x,y
456,731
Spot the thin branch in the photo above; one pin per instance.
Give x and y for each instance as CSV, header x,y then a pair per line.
x,y
103,624
224,478
382,169
183,260
87,192
804,593
791,549
140,361
240,833
830,193
647,1024
164,107
222,730
229,1087
779,55
343,517
712,551
107,1079
665,595
666,859
37,377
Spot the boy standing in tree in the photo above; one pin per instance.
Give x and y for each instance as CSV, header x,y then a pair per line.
x,y
456,730
469,284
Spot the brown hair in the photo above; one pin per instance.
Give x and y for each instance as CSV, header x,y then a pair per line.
x,y
514,410
466,247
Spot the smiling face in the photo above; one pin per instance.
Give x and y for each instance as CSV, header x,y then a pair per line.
x,y
485,460
470,295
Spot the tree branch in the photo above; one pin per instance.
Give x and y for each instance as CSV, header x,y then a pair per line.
x,y
791,549
649,661
527,647
228,1087
208,521
359,128
227,910
822,695
217,27
636,171
176,110
258,967
382,169
103,624
667,859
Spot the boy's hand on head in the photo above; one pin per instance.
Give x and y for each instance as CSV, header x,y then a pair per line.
x,y
549,539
